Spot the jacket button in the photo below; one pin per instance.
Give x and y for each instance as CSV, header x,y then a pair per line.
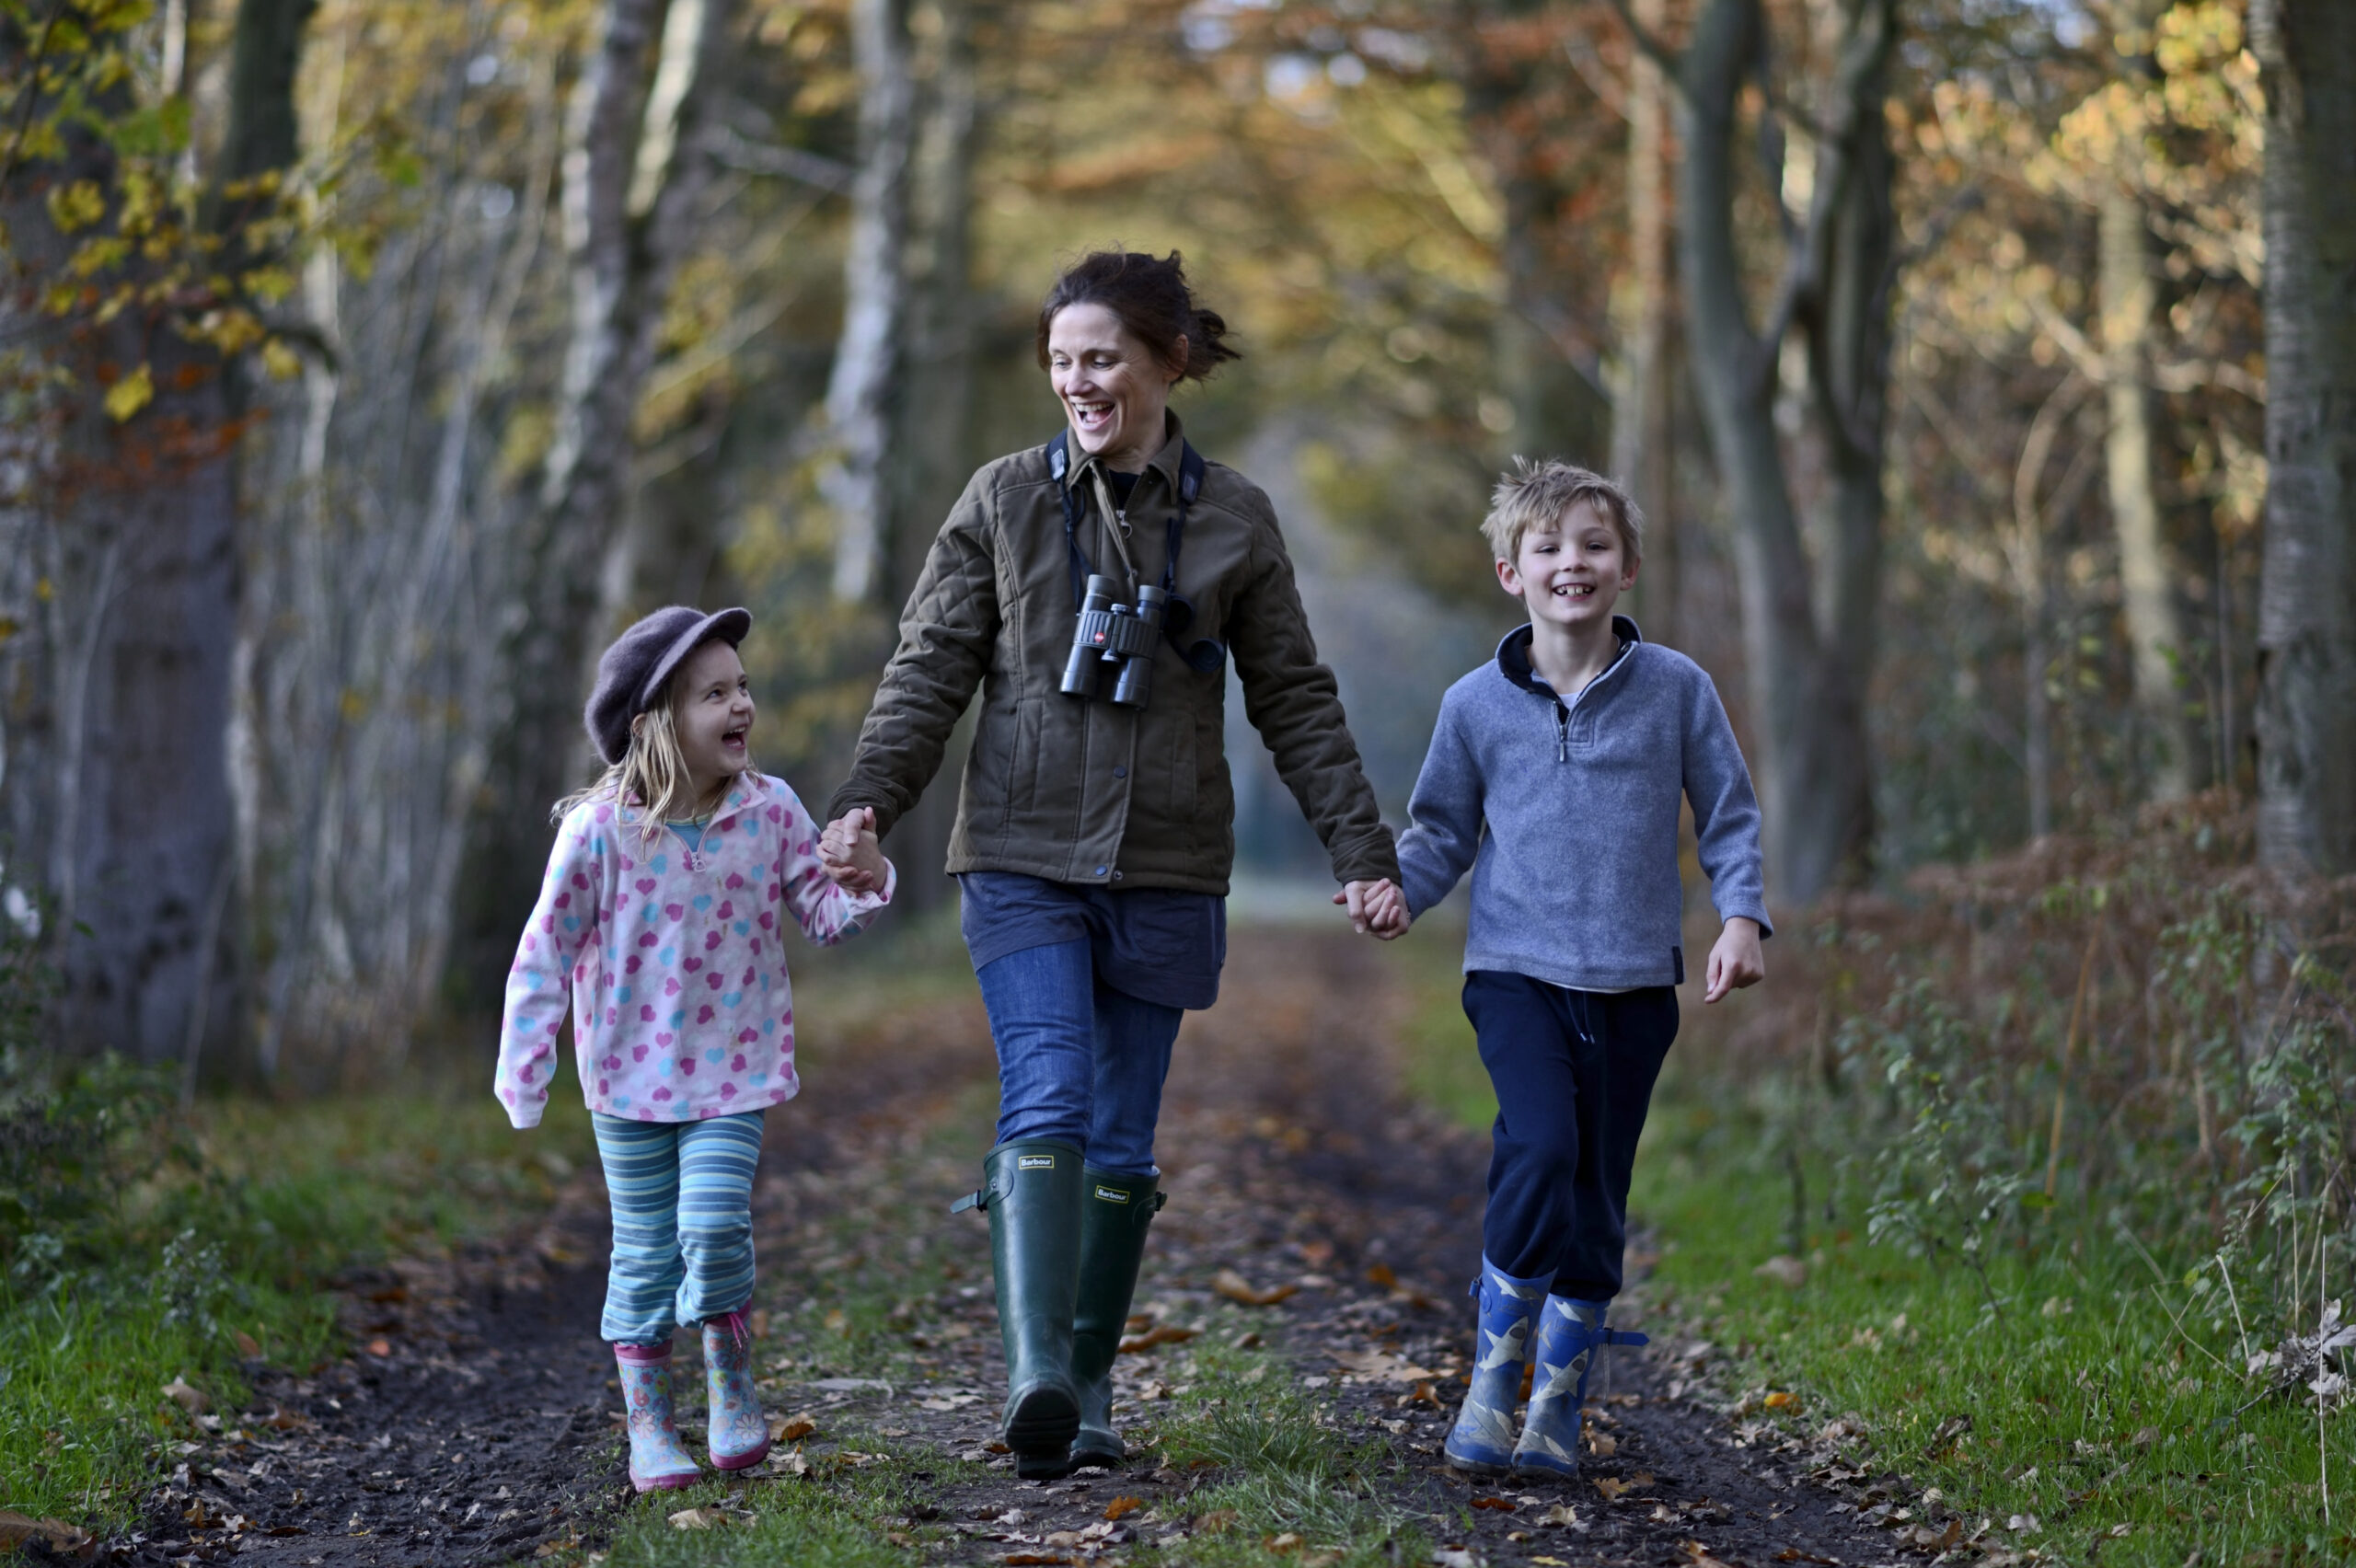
x,y
1100,870
1120,773
1116,876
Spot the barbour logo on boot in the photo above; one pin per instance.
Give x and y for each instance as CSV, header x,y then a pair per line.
x,y
1035,1162
1113,1195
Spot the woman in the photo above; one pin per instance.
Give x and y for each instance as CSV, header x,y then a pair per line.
x,y
1095,828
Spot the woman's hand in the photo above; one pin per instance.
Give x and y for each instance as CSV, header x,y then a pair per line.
x,y
850,853
1377,908
1735,959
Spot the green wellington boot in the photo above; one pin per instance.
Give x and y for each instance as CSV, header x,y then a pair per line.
x,y
1115,1213
1030,1189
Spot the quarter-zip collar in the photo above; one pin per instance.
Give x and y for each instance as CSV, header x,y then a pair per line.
x,y
747,795
1513,662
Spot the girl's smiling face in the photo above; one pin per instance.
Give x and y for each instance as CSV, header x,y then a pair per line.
x,y
1115,392
711,712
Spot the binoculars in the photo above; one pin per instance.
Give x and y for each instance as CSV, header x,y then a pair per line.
x,y
1112,636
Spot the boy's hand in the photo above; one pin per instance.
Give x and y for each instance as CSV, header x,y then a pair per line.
x,y
1735,959
1377,908
851,855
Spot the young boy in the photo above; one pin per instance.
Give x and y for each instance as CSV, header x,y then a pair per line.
x,y
1571,749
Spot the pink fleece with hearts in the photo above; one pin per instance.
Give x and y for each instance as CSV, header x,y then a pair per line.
x,y
681,1008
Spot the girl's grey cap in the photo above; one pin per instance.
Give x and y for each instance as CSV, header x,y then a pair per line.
x,y
632,673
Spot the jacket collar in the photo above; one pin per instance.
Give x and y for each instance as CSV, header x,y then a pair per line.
x,y
1513,657
1164,462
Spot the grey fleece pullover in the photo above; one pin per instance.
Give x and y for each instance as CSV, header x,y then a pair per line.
x,y
1575,879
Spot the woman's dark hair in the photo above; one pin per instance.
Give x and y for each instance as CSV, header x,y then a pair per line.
x,y
1149,296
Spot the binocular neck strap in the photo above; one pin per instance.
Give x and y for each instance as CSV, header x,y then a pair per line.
x,y
1115,524
1190,484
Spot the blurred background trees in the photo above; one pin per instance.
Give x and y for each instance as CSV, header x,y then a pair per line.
x,y
367,364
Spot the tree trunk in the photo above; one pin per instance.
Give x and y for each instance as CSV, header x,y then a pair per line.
x,y
934,420
2146,580
2306,633
145,844
860,392
1644,437
1807,677
634,168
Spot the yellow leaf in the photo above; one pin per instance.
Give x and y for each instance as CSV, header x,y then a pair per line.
x,y
76,206
131,394
283,362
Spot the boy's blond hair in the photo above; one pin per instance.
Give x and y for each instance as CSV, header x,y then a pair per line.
x,y
1541,495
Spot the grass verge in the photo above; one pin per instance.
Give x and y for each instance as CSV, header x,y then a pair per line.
x,y
2078,1395
158,1246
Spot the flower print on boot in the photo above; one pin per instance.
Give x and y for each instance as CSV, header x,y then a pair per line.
x,y
738,1432
658,1460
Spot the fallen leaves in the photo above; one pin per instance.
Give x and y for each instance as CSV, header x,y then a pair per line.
x,y
1780,1399
380,1348
1699,1555
1215,1520
1502,1504
1381,1366
1161,1333
1235,1287
791,1429
697,1519
247,1345
189,1399
1612,1486
58,1536
1121,1507
1784,1270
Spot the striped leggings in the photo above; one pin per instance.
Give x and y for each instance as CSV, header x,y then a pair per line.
x,y
682,1194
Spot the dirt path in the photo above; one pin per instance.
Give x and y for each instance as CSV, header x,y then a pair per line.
x,y
477,1423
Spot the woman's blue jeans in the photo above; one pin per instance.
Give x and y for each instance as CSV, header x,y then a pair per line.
x,y
1077,1060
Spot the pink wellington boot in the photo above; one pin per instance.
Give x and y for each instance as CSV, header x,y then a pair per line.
x,y
733,1420
658,1460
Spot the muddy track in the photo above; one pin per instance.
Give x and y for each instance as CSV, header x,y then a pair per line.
x,y
477,1423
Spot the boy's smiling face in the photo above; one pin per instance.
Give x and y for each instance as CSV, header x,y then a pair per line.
x,y
1570,574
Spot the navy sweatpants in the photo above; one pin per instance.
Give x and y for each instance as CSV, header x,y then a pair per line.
x,y
1573,1072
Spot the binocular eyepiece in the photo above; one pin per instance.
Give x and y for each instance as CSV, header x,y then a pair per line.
x,y
1112,636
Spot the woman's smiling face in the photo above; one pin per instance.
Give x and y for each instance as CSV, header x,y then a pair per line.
x,y
1115,392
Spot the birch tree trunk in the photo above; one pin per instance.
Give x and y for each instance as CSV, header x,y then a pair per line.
x,y
1807,630
851,477
634,168
1644,439
2306,633
2146,581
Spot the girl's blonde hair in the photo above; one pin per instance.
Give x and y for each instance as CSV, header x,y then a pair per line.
x,y
653,774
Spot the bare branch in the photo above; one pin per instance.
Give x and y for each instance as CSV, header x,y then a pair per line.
x,y
737,151
1656,48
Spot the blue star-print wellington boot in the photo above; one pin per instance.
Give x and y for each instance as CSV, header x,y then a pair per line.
x,y
1570,1335
1482,1440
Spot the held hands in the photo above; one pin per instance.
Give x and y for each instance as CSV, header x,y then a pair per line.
x,y
1735,959
1377,908
852,856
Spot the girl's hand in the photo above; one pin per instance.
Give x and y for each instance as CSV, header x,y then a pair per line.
x,y
1735,959
851,855
1377,908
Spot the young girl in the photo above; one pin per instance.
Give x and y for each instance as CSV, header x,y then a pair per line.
x,y
662,905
